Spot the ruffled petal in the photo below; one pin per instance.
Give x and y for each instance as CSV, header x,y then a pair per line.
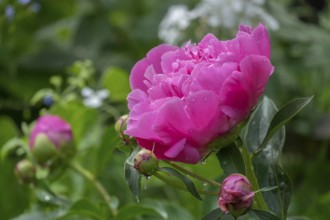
x,y
202,108
256,70
235,98
254,41
136,96
175,149
172,122
189,154
137,78
154,56
143,127
211,77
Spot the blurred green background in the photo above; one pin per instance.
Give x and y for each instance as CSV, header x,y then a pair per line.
x,y
40,39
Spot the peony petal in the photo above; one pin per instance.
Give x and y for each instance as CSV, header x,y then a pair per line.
x,y
254,41
143,128
157,104
154,56
235,99
175,149
256,70
172,121
137,75
138,110
245,28
169,60
208,40
202,108
135,97
260,35
189,154
211,77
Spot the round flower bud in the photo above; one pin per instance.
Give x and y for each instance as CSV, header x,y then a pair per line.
x,y
120,127
146,162
25,171
236,195
50,137
44,150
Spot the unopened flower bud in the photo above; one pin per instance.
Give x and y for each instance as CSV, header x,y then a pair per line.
x,y
236,195
120,127
50,137
44,150
25,171
146,162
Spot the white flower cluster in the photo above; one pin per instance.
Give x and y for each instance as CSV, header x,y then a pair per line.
x,y
94,99
217,13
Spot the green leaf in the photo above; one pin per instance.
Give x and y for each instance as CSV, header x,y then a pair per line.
x,y
169,209
116,81
8,131
262,214
12,191
283,116
266,189
284,190
84,204
132,176
82,208
188,183
37,215
14,147
47,197
73,113
132,211
215,214
267,166
231,160
259,123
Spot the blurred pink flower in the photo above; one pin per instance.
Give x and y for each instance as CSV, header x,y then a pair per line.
x,y
184,98
55,128
236,195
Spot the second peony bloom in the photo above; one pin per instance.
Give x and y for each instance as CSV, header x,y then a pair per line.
x,y
182,99
50,134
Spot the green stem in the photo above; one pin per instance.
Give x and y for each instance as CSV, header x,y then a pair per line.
x,y
111,111
98,186
194,175
182,187
259,199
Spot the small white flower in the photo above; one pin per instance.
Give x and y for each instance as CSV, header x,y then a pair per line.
x,y
177,19
216,13
94,99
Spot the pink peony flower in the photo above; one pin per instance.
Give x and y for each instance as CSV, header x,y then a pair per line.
x,y
184,98
54,128
236,195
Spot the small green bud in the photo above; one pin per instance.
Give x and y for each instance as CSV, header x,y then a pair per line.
x,y
25,170
146,162
120,127
44,150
